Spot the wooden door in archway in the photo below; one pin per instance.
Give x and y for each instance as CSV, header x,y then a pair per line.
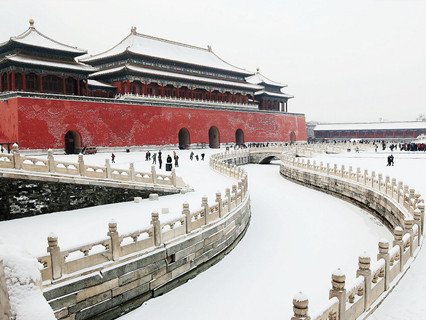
x,y
214,140
184,138
72,142
239,137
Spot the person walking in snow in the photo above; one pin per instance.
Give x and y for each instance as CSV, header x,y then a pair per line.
x,y
112,158
154,158
176,160
191,155
202,156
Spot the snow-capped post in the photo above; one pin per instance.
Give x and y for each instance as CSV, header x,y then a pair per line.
x,y
397,233
17,162
174,177
364,270
417,196
335,169
56,258
153,175
187,213
421,207
406,196
219,202
393,187
350,173
380,178
338,279
228,199
387,183
5,312
365,176
107,169
342,171
240,187
408,228
156,228
418,222
115,240
300,307
373,176
384,254
205,206
81,166
50,161
358,171
132,171
234,193
400,190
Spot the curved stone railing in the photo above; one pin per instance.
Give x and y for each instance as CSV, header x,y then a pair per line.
x,y
4,296
18,161
120,272
398,206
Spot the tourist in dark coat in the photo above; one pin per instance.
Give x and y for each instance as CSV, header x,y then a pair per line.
x,y
112,157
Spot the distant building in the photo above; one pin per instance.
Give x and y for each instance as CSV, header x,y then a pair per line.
x,y
401,130
310,126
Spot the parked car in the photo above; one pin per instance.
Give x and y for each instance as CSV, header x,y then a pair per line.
x,y
89,150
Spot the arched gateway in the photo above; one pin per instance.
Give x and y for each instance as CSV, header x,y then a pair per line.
x,y
184,140
72,142
214,140
239,137
292,137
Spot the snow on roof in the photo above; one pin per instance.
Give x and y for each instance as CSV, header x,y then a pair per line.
x,y
176,75
273,94
372,126
33,37
259,78
96,83
166,49
49,63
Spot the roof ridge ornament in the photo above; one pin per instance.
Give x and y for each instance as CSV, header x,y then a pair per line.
x,y
31,21
257,69
133,30
209,47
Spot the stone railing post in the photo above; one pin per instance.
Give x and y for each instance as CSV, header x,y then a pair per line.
x,y
173,177
228,198
50,160
300,307
384,254
81,165
220,203
335,169
328,169
187,213
56,258
153,175
421,207
156,228
387,183
380,178
365,271
338,290
132,171
365,176
358,171
115,240
350,173
342,171
107,169
393,187
397,233
400,191
418,222
17,161
5,312
234,192
205,206
408,228
373,176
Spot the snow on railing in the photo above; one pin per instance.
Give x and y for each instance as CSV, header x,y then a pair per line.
x,y
404,208
82,258
5,312
17,161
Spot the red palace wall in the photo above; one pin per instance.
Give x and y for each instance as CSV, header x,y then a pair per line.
x,y
42,123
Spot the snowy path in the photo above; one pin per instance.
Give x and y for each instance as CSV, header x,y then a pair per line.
x,y
296,239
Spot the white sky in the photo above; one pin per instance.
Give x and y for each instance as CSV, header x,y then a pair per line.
x,y
343,60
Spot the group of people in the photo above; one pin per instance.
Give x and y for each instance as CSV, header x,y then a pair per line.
x,y
192,155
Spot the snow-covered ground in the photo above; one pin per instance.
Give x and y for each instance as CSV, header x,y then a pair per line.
x,y
296,239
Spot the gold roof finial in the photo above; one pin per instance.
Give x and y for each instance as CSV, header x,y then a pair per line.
x,y
257,69
209,47
31,21
133,30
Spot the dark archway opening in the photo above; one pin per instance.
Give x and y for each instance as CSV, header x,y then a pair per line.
x,y
184,140
72,142
239,137
214,141
268,160
292,137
